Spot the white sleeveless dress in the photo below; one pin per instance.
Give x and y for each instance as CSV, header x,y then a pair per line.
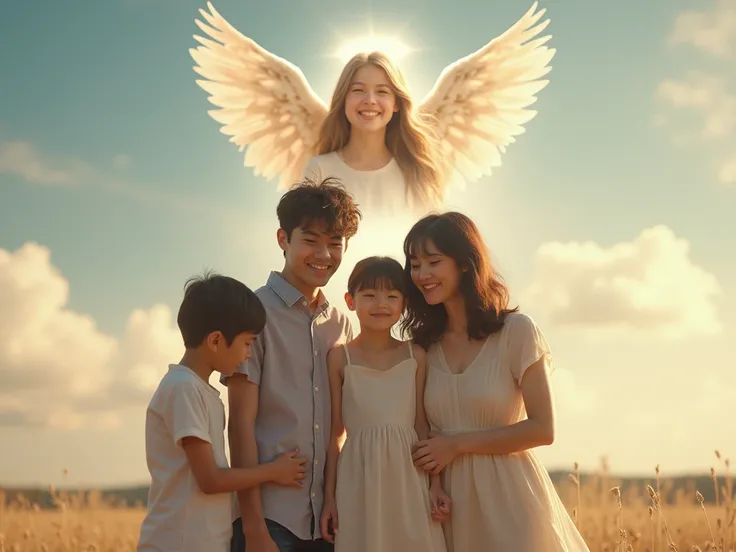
x,y
383,501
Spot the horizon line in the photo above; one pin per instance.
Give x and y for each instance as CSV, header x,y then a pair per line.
x,y
552,472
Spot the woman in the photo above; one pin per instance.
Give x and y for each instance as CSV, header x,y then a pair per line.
x,y
487,397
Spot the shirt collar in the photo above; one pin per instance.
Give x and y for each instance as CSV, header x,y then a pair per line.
x,y
290,295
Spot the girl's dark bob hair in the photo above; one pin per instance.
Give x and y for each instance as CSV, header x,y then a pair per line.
x,y
377,273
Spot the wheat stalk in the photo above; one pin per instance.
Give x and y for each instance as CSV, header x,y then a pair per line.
x,y
575,478
84,521
701,501
623,544
654,496
659,523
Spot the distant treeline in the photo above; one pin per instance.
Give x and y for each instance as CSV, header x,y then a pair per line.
x,y
673,489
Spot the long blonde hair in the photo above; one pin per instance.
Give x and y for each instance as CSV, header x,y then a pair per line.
x,y
410,136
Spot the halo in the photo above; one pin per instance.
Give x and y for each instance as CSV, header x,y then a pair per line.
x,y
392,46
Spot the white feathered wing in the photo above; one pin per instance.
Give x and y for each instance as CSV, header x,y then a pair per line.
x,y
478,103
265,103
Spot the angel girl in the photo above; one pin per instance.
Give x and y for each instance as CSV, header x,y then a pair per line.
x,y
387,150
382,150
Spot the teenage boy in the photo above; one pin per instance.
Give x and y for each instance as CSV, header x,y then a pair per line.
x,y
279,398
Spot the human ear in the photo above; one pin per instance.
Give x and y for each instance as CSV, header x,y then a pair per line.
x,y
282,239
214,340
350,301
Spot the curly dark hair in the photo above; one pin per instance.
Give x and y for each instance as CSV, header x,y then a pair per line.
x,y
309,202
218,303
486,296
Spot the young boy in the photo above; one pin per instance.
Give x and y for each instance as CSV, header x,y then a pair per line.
x,y
279,398
190,498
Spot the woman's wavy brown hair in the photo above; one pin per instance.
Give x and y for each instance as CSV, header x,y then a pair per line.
x,y
485,294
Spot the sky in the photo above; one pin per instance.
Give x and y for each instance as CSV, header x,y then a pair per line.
x,y
610,218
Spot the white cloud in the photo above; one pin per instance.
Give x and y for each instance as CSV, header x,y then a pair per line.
x,y
151,341
706,95
648,285
727,172
57,368
39,332
710,31
22,159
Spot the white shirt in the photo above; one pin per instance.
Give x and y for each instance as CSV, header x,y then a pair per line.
x,y
382,191
180,517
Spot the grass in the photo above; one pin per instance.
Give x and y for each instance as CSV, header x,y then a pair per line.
x,y
611,517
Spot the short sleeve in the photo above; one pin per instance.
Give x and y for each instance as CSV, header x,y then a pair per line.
x,y
526,344
253,366
185,413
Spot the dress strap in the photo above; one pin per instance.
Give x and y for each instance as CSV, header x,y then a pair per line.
x,y
347,354
411,349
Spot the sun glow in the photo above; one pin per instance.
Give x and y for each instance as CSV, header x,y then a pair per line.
x,y
392,46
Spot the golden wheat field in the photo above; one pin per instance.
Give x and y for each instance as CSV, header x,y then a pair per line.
x,y
651,518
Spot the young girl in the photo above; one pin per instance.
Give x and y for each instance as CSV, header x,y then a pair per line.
x,y
375,142
487,395
375,499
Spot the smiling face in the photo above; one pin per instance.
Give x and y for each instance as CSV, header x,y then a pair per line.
x,y
370,102
435,274
312,255
377,309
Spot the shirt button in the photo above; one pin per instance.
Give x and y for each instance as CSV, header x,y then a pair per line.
x,y
314,494
316,461
316,426
315,353
305,303
316,388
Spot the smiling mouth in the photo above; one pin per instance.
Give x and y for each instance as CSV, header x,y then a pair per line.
x,y
430,287
318,266
369,114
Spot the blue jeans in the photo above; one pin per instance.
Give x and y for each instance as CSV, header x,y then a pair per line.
x,y
285,540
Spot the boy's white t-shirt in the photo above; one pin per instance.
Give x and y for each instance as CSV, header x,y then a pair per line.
x,y
180,517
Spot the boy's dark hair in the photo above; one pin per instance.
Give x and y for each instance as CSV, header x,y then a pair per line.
x,y
309,202
218,303
377,273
